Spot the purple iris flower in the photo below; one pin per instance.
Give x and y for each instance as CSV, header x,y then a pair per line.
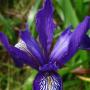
x,y
41,56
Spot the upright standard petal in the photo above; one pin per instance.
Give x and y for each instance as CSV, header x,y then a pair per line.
x,y
61,47
32,46
71,45
47,81
20,57
45,26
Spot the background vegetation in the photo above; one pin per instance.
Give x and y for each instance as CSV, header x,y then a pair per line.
x,y
14,14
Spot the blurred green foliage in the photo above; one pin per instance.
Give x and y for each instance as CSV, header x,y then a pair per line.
x,y
13,15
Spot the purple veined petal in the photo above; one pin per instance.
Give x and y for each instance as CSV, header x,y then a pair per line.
x,y
4,40
71,44
47,81
62,42
61,45
85,45
20,57
45,25
32,46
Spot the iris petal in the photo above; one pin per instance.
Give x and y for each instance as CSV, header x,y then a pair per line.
x,y
20,57
4,40
85,43
71,44
61,46
62,43
45,26
47,81
32,46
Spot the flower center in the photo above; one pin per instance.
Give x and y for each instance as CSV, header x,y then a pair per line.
x,y
48,67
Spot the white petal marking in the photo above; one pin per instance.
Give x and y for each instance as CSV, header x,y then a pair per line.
x,y
49,83
22,46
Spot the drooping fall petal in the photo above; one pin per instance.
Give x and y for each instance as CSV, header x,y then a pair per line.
x,y
47,81
32,46
19,56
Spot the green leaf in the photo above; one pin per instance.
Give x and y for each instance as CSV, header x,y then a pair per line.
x,y
33,12
7,27
79,7
59,10
69,13
31,16
29,82
86,1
